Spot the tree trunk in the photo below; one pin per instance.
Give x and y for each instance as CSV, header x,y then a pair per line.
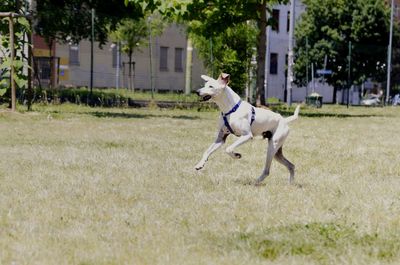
x,y
261,52
334,99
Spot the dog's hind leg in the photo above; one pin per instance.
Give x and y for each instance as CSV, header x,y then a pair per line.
x,y
281,159
271,150
274,144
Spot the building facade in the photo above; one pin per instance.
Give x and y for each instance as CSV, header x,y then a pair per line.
x,y
72,62
277,50
277,58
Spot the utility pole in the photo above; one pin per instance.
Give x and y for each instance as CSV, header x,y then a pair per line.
x,y
290,76
307,67
151,58
211,57
188,74
349,76
389,61
267,62
117,68
91,58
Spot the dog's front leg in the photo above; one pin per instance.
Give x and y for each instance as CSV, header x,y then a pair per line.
x,y
242,139
221,137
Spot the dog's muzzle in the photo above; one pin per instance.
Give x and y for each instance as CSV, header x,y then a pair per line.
x,y
203,98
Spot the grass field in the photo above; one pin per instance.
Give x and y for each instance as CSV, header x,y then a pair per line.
x,y
117,186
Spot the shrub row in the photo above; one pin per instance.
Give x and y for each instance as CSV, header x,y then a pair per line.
x,y
101,98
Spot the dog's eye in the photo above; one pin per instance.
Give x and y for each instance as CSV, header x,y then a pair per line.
x,y
211,87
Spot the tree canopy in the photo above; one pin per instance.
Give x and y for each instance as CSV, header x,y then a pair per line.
x,y
212,18
230,52
328,26
70,20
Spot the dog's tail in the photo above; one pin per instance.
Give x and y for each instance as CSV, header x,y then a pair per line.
x,y
294,116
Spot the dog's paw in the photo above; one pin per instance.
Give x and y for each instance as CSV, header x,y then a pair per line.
x,y
237,155
198,166
259,183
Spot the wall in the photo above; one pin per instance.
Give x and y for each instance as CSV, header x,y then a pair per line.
x,y
105,74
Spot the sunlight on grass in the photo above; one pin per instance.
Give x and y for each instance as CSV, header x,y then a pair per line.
x,y
84,185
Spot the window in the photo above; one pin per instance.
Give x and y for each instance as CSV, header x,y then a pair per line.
x,y
288,22
178,59
74,54
286,64
273,66
275,22
43,67
163,58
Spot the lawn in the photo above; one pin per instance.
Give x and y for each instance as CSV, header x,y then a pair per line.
x,y
117,186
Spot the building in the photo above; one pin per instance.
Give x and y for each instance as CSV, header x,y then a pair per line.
x,y
277,56
72,62
276,64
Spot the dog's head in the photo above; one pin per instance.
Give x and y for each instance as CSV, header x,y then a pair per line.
x,y
212,88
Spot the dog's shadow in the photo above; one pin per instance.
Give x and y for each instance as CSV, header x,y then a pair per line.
x,y
246,182
253,183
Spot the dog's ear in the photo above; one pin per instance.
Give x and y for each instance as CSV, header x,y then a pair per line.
x,y
206,78
224,78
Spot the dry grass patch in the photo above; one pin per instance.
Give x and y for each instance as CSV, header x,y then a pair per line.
x,y
117,186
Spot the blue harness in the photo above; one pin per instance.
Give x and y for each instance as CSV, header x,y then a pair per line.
x,y
225,115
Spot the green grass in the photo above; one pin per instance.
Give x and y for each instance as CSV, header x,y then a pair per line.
x,y
84,185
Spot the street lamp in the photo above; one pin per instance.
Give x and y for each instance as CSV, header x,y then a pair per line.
x,y
389,64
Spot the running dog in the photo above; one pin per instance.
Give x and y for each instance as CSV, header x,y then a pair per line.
x,y
245,121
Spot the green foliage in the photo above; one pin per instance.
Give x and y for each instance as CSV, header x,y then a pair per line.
x,y
229,52
75,24
21,28
133,33
329,26
213,19
130,33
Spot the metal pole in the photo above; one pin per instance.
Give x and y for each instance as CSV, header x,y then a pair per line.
x,y
211,57
91,58
349,76
267,62
117,70
188,74
389,62
290,77
12,70
312,77
151,60
307,66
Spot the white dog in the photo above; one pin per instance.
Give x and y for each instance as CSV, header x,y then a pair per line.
x,y
245,121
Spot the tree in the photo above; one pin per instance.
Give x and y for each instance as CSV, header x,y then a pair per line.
x,y
213,17
21,29
230,52
329,26
130,34
70,20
